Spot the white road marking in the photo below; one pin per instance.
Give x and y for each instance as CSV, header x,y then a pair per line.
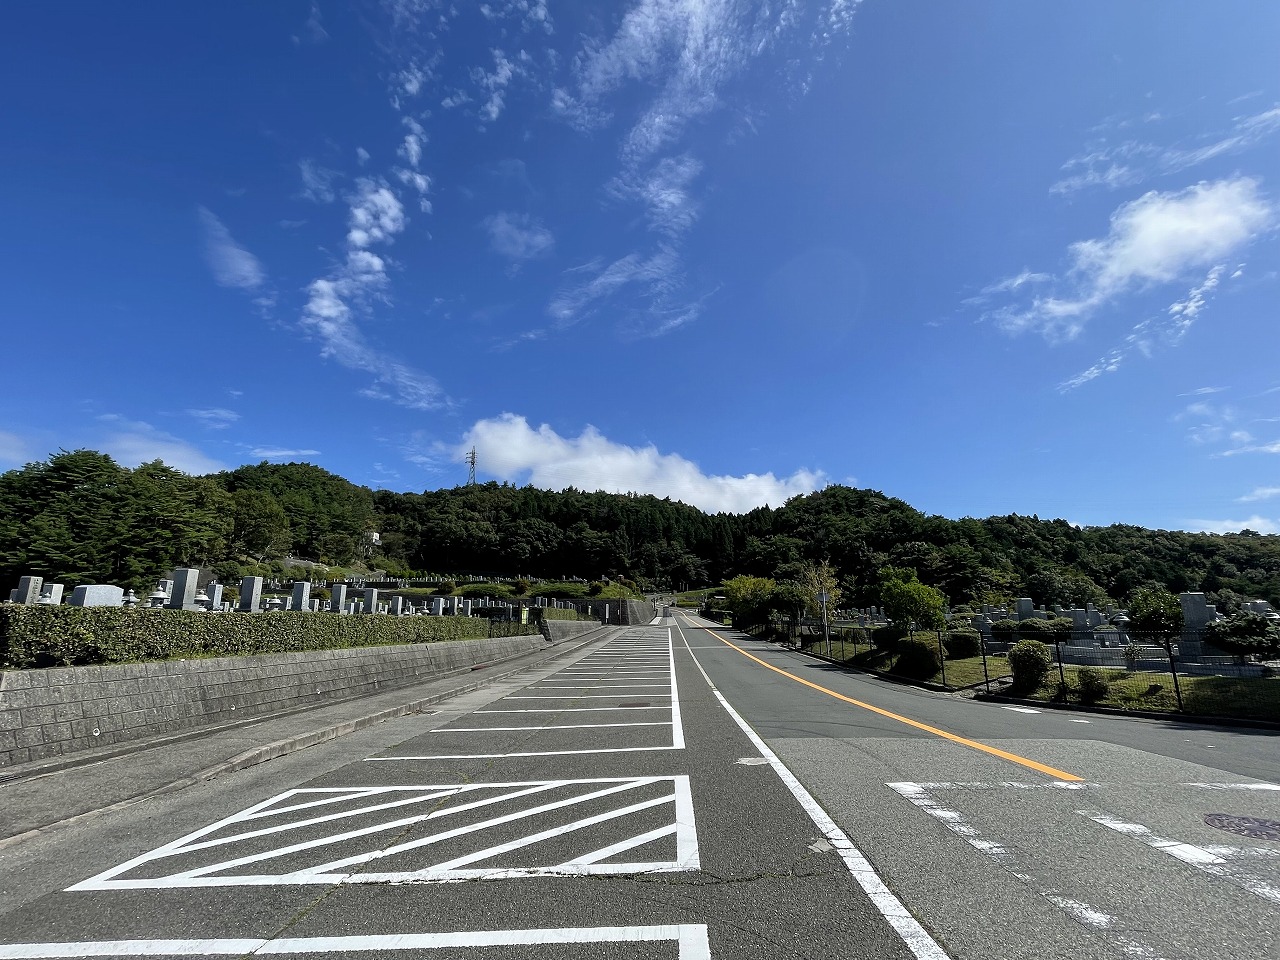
x,y
640,794
553,726
1075,720
1190,854
589,696
531,753
1090,916
917,939
1019,709
690,939
1237,786
574,709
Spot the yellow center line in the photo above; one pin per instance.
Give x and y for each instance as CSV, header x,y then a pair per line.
x,y
954,738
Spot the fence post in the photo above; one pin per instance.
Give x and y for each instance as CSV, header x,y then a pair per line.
x,y
986,677
1062,676
942,658
1173,668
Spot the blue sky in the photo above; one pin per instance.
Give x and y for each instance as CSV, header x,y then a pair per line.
x,y
990,257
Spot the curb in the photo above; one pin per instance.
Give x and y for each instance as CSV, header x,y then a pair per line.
x,y
281,748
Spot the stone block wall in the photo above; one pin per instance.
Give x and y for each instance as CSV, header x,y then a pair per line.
x,y
47,713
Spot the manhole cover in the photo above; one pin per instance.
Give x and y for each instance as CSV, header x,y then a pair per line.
x,y
635,703
1252,827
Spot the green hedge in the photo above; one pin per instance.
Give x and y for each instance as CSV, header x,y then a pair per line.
x,y
557,613
32,636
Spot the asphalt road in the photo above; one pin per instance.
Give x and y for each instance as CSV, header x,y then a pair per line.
x,y
665,793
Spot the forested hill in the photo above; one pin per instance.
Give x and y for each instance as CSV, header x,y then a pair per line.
x,y
79,518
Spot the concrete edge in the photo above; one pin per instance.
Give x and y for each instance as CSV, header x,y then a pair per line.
x,y
281,748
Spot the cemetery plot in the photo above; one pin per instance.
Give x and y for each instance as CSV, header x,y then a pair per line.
x,y
440,832
676,941
621,698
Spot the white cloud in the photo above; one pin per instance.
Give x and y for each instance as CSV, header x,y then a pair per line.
x,y
664,190
1203,391
217,418
1153,240
232,265
654,274
362,156
1133,161
411,148
281,453
13,451
313,30
133,442
494,83
317,181
1259,493
518,236
1255,523
508,448
376,214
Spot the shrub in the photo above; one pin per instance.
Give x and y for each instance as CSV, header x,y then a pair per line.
x,y
887,637
446,587
1003,630
962,644
1030,661
1094,684
70,636
917,658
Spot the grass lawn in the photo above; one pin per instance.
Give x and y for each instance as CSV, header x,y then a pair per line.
x,y
959,673
1249,698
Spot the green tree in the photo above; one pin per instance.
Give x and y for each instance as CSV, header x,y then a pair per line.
x,y
907,602
816,579
1245,635
1155,613
750,598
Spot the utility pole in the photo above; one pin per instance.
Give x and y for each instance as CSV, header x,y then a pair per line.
x,y
471,468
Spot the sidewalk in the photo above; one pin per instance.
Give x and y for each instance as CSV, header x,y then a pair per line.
x,y
36,796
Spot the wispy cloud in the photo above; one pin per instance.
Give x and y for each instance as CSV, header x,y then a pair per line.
x,y
281,453
216,418
313,30
518,236
13,450
317,181
375,216
133,442
1259,493
1153,240
232,265
655,276
507,447
1202,391
1130,162
665,191
1255,523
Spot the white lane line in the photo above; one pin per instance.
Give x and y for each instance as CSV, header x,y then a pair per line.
x,y
1074,720
1019,709
597,686
691,941
952,820
1193,856
572,709
677,725
917,939
552,726
588,696
1236,786
1090,916
529,753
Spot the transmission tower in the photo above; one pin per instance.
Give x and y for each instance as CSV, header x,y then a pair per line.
x,y
471,468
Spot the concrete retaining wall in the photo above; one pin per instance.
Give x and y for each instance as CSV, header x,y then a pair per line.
x,y
557,630
46,713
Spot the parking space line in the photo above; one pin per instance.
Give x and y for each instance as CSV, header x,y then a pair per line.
x,y
690,940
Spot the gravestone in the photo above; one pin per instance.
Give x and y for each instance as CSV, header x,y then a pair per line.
x,y
51,595
1025,608
371,600
97,595
337,597
466,608
437,606
214,591
1196,613
350,606
250,594
28,591
301,598
183,594
397,606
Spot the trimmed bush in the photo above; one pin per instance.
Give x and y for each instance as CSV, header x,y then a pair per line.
x,y
963,644
917,658
1030,661
32,636
1094,684
556,613
1003,630
887,637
